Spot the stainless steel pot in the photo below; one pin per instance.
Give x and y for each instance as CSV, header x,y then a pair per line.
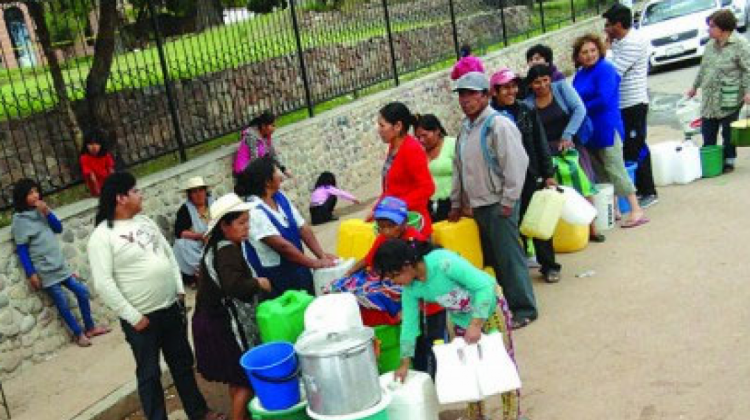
x,y
339,370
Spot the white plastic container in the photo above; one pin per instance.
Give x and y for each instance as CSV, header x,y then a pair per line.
x,y
688,167
604,202
322,277
333,313
576,210
543,213
415,399
663,162
377,412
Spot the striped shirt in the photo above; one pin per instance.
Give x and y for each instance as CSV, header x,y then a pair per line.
x,y
630,57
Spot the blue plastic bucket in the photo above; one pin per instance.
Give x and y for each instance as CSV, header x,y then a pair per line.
x,y
273,371
622,202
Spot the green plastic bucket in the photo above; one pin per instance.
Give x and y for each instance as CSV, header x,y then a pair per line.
x,y
712,161
390,351
297,412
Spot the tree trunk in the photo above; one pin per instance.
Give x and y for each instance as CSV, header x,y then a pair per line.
x,y
209,13
104,51
36,11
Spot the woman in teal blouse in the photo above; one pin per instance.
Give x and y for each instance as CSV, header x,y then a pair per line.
x,y
440,151
471,297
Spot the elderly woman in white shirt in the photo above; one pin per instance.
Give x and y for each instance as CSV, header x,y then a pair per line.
x,y
277,231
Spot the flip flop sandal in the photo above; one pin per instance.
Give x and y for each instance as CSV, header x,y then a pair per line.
x,y
642,221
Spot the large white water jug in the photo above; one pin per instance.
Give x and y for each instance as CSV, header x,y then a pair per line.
x,y
415,399
576,210
333,313
604,202
664,162
322,277
688,167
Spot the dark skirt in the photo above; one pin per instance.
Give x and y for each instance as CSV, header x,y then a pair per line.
x,y
216,351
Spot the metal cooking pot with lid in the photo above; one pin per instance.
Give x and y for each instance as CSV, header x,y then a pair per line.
x,y
339,370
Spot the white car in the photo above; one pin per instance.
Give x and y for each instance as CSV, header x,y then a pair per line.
x,y
676,29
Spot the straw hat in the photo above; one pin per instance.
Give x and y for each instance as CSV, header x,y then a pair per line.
x,y
194,182
229,203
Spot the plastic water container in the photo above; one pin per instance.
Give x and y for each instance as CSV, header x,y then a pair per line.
x,y
622,202
415,399
283,318
273,371
577,210
688,111
604,202
297,412
688,167
663,162
461,237
390,350
334,312
355,238
322,277
543,213
712,161
570,238
378,412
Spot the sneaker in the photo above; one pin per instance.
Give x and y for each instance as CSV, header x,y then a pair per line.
x,y
648,200
531,262
552,276
728,168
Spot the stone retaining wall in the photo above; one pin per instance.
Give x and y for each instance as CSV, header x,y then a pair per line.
x,y
343,140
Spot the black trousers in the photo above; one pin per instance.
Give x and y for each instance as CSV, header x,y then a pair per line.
x,y
545,252
324,212
634,120
166,333
439,209
433,328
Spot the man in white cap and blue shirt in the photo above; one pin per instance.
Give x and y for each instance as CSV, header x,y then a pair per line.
x,y
489,170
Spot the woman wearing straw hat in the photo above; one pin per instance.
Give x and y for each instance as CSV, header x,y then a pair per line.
x,y
189,227
226,282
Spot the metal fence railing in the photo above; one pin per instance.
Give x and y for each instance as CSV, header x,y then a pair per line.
x,y
159,76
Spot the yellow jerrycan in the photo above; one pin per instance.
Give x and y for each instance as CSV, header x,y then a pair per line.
x,y
461,237
543,214
570,238
355,239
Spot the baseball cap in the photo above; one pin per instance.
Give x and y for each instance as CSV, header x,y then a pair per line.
x,y
502,77
391,208
473,81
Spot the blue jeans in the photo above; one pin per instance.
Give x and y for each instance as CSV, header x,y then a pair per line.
x,y
61,301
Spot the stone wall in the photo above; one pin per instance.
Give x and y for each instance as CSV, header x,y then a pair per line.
x,y
343,140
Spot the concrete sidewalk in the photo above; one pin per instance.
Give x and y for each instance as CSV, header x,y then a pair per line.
x,y
98,382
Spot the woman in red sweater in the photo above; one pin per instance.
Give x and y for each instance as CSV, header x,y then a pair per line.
x,y
96,162
406,172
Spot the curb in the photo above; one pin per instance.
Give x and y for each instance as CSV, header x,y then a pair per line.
x,y
119,403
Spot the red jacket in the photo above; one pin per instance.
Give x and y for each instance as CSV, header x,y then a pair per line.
x,y
409,179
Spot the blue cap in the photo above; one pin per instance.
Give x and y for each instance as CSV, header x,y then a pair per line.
x,y
393,209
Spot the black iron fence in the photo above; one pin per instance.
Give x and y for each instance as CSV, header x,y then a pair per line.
x,y
158,76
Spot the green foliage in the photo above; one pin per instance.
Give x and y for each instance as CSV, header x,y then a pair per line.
x,y
67,20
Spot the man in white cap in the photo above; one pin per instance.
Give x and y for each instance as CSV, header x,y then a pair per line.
x,y
137,277
489,171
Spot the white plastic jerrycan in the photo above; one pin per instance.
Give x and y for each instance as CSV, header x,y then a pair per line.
x,y
543,214
604,202
333,313
576,209
664,162
322,277
688,167
415,399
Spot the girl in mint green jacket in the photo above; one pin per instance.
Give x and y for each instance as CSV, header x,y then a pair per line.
x,y
473,301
